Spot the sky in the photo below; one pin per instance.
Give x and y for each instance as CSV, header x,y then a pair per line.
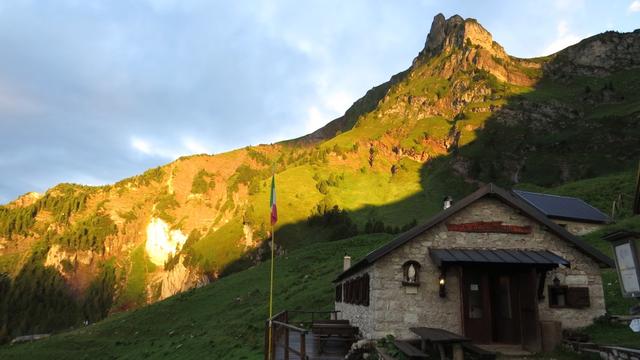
x,y
95,91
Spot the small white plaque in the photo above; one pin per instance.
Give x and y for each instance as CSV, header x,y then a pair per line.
x,y
475,287
635,325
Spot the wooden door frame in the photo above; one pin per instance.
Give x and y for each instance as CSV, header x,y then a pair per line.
x,y
486,299
531,275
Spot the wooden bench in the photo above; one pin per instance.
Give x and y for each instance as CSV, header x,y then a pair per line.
x,y
333,331
411,351
441,339
478,352
331,322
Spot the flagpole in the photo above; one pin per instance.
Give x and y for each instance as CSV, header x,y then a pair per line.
x,y
271,293
273,218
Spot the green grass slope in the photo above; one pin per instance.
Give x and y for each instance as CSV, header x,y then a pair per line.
x,y
224,320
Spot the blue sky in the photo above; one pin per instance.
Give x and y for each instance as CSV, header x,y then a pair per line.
x,y
95,91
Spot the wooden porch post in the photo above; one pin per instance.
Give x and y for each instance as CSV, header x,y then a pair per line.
x,y
303,346
266,340
458,353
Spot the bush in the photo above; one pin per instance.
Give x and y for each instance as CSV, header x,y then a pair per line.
x,y
202,182
326,215
100,294
87,234
38,300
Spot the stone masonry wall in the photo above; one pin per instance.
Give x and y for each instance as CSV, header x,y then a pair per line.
x,y
578,228
395,308
358,315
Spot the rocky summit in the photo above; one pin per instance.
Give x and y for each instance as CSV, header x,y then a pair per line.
x,y
462,114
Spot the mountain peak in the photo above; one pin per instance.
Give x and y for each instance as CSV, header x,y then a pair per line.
x,y
457,32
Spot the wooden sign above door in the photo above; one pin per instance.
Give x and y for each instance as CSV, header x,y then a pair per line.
x,y
489,227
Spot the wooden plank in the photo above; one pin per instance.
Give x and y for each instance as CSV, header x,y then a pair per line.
x,y
479,352
436,335
410,350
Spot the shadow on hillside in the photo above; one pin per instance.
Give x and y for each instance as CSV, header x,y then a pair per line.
x,y
533,139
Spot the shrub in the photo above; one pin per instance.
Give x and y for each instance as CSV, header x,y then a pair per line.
x,y
202,182
87,234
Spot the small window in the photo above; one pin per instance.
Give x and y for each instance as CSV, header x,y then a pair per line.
x,y
557,296
569,297
411,273
356,291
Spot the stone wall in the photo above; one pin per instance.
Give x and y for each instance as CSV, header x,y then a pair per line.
x,y
358,315
578,228
395,308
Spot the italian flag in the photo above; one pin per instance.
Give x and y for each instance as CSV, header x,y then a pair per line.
x,y
274,208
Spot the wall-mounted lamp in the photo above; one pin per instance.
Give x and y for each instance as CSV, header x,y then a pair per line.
x,y
556,281
442,282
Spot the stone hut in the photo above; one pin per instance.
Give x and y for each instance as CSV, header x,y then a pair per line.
x,y
491,267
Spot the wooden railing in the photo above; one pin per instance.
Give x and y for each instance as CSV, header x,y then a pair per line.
x,y
281,329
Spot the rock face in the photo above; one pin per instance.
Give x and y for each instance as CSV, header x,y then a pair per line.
x,y
26,199
469,45
177,280
455,32
598,55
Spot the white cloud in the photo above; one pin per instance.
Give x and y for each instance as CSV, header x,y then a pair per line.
x,y
183,146
564,37
338,101
331,105
193,146
315,119
634,6
15,103
570,5
141,145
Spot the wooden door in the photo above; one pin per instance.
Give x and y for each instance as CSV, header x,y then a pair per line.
x,y
529,311
505,305
476,302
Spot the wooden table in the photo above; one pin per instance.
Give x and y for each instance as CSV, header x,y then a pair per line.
x,y
324,330
441,338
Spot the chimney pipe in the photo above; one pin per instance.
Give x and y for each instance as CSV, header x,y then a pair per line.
x,y
347,263
447,202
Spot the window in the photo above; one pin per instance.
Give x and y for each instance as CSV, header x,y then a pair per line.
x,y
411,273
569,297
356,291
557,296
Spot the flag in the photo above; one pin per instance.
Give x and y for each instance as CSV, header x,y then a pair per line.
x,y
274,208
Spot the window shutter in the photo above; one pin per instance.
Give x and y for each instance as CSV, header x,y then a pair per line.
x,y
578,297
367,290
339,293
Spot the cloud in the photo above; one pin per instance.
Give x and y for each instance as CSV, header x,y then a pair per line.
x,y
315,119
569,5
634,6
171,150
564,38
12,102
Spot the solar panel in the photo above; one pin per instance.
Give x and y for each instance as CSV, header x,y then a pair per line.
x,y
564,207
